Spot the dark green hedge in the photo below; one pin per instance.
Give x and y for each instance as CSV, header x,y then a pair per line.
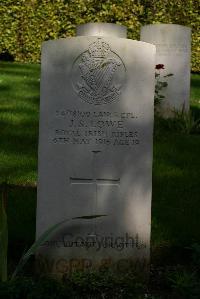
x,y
25,24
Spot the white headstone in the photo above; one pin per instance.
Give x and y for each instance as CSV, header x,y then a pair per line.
x,y
95,152
101,29
173,49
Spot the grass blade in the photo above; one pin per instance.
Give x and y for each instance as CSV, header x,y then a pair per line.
x,y
44,237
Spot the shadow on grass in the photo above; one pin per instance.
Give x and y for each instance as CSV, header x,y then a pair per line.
x,y
16,66
21,72
4,87
176,189
195,81
21,212
19,152
195,111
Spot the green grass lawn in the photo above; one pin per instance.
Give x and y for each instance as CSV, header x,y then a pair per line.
x,y
176,168
19,107
195,90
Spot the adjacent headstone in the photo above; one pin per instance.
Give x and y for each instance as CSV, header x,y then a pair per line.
x,y
173,49
101,29
95,153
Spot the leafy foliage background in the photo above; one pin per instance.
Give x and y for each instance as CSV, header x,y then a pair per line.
x,y
25,24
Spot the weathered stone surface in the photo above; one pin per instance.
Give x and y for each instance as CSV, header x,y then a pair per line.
x,y
101,29
173,49
95,152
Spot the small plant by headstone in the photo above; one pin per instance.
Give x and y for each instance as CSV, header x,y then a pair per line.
x,y
161,83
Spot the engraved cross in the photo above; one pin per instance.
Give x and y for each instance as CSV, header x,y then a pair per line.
x,y
96,181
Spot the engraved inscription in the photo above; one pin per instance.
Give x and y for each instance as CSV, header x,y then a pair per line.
x,y
79,127
97,241
98,74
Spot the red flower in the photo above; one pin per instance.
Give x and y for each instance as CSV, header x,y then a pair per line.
x,y
159,66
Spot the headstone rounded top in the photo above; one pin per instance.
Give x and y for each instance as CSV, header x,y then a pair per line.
x,y
158,34
167,26
173,50
101,29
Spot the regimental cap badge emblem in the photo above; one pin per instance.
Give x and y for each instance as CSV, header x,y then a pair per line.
x,y
98,74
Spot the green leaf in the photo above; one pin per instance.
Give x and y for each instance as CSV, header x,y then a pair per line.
x,y
44,237
169,75
89,217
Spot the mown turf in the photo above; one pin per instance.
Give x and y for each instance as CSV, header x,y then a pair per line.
x,y
176,190
19,107
195,90
176,168
195,95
